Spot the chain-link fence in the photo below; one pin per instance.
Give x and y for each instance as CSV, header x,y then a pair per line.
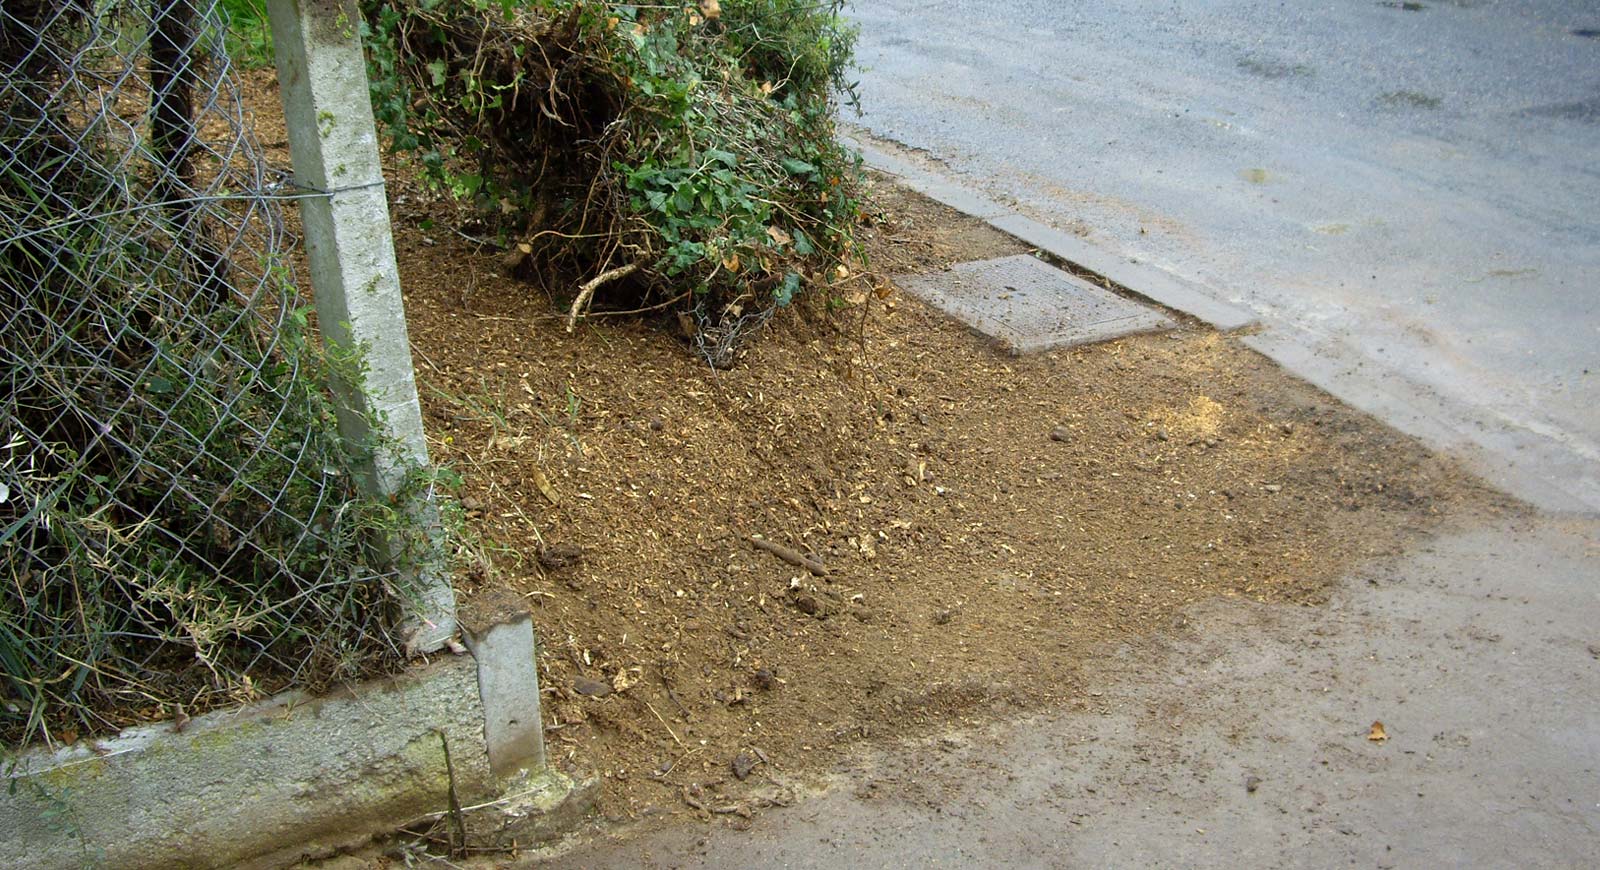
x,y
179,527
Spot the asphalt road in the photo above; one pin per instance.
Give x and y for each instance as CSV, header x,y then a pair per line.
x,y
1408,194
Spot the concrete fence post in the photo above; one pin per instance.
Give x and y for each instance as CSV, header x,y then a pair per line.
x,y
333,145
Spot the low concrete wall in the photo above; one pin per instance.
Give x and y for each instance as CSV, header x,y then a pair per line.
x,y
257,787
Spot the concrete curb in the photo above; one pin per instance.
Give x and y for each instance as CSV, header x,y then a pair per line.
x,y
296,777
1152,283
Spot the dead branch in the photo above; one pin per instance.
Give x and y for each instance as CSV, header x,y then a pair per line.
x,y
586,292
793,557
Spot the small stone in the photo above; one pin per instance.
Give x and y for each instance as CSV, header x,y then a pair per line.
x,y
1273,487
1287,428
558,556
1251,783
743,763
591,688
1212,442
943,617
656,425
764,679
1061,433
1594,650
1162,435
811,605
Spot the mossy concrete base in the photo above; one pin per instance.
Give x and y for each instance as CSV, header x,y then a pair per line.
x,y
271,784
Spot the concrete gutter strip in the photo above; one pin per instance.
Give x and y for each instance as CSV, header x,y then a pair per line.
x,y
257,787
1155,284
296,777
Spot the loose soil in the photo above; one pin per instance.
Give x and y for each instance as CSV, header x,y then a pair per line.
x,y
986,522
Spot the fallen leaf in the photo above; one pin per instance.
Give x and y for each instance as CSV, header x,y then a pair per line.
x,y
779,237
1377,734
626,679
731,263
545,489
711,9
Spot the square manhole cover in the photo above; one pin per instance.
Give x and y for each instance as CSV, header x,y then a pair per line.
x,y
1028,305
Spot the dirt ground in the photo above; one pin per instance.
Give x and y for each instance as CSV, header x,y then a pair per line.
x,y
985,522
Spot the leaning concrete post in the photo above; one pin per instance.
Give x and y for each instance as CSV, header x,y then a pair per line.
x,y
333,145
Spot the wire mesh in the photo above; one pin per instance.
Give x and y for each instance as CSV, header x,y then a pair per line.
x,y
179,527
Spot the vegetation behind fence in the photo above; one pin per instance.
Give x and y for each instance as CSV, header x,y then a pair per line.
x,y
179,524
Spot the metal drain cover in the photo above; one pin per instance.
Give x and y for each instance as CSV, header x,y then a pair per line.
x,y
1028,305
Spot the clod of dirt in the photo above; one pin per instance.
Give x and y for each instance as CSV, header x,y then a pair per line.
x,y
1061,433
811,605
764,679
743,763
1251,783
559,556
1594,650
590,688
943,617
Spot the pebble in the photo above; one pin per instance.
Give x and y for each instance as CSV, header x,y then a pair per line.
x,y
590,687
1060,433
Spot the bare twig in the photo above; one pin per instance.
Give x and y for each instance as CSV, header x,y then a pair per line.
x,y
793,557
661,720
586,292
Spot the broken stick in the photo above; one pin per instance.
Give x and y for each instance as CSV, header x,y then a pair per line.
x,y
793,557
586,292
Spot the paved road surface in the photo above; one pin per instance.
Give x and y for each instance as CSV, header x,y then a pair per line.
x,y
1410,199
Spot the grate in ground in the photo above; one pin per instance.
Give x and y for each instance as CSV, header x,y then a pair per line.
x,y
1028,305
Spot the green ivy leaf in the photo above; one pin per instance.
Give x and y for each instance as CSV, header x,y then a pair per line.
x,y
791,286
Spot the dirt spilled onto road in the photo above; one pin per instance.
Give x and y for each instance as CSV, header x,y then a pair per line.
x,y
983,521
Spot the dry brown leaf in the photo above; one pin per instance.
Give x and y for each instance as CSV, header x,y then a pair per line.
x,y
711,9
1377,734
545,489
732,262
779,236
626,679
